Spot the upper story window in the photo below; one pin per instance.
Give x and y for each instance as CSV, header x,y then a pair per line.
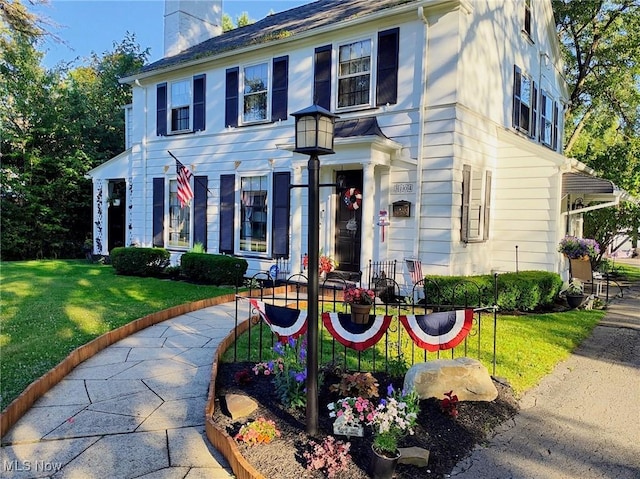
x,y
525,98
181,106
526,28
263,96
354,74
256,93
549,118
366,72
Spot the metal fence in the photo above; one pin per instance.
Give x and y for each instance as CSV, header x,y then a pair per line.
x,y
395,349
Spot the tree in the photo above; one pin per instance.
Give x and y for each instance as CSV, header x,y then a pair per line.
x,y
56,126
242,20
601,47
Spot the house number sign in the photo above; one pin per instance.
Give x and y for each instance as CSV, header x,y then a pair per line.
x,y
403,188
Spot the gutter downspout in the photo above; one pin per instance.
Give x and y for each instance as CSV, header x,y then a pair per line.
x,y
421,116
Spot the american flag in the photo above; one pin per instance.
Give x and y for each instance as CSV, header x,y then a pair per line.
x,y
415,270
185,193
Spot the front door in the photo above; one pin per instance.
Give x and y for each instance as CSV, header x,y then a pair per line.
x,y
349,221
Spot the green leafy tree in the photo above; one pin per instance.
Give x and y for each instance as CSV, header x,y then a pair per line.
x,y
601,47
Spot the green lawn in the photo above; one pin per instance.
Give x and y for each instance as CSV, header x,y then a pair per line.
x,y
49,308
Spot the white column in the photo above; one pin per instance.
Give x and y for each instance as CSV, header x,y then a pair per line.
x,y
296,221
368,214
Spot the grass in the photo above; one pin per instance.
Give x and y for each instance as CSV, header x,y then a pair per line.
x,y
528,346
49,308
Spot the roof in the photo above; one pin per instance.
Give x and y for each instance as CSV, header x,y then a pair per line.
x,y
277,26
577,183
358,127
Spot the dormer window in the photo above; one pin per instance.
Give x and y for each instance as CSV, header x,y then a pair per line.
x,y
354,74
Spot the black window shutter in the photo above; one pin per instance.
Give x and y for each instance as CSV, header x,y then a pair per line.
x,y
487,205
517,82
231,97
158,212
466,198
280,214
534,109
556,120
387,70
227,206
161,109
279,92
200,210
199,102
322,77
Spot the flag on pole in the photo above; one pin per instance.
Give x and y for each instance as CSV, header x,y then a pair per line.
x,y
185,193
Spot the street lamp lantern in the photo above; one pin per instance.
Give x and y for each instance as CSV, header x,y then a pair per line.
x,y
314,136
314,131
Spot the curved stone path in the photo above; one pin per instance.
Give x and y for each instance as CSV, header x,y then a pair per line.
x,y
134,410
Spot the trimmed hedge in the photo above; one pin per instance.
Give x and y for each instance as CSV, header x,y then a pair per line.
x,y
523,291
216,269
134,261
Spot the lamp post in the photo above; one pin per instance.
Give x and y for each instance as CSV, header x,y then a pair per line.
x,y
314,137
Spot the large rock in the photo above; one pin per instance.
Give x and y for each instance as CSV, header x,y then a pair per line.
x,y
466,377
239,405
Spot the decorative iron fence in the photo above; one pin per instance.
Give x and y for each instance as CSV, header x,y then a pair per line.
x,y
399,345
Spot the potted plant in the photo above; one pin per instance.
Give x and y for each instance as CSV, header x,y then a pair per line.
x,y
394,418
574,293
579,248
326,264
361,300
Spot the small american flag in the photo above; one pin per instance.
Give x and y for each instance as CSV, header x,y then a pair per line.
x,y
415,270
185,193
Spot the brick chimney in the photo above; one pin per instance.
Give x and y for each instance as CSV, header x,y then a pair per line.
x,y
189,22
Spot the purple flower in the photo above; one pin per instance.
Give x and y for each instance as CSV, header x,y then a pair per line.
x,y
301,376
279,348
292,342
390,390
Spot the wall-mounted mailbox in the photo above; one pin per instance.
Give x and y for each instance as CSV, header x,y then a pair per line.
x,y
401,209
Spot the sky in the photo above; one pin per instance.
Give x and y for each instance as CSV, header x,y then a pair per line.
x,y
87,26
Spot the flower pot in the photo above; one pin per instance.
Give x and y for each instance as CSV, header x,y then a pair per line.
x,y
382,467
360,313
575,300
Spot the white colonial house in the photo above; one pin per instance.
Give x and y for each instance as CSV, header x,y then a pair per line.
x,y
450,122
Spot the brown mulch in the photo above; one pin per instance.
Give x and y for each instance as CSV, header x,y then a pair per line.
x,y
449,440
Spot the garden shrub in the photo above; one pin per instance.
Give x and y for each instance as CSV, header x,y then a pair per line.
x,y
133,261
522,291
216,269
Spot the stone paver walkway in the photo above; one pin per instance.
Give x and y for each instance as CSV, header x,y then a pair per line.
x,y
134,410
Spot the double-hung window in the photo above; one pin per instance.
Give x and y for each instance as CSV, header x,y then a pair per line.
x,y
253,214
526,27
179,219
181,106
525,98
476,205
354,74
549,118
255,93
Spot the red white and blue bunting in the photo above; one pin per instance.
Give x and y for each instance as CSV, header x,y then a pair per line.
x,y
356,336
438,331
284,322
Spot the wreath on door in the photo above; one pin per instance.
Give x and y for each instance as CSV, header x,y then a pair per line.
x,y
352,198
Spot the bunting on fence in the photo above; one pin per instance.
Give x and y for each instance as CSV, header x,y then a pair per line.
x,y
284,322
352,335
438,331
